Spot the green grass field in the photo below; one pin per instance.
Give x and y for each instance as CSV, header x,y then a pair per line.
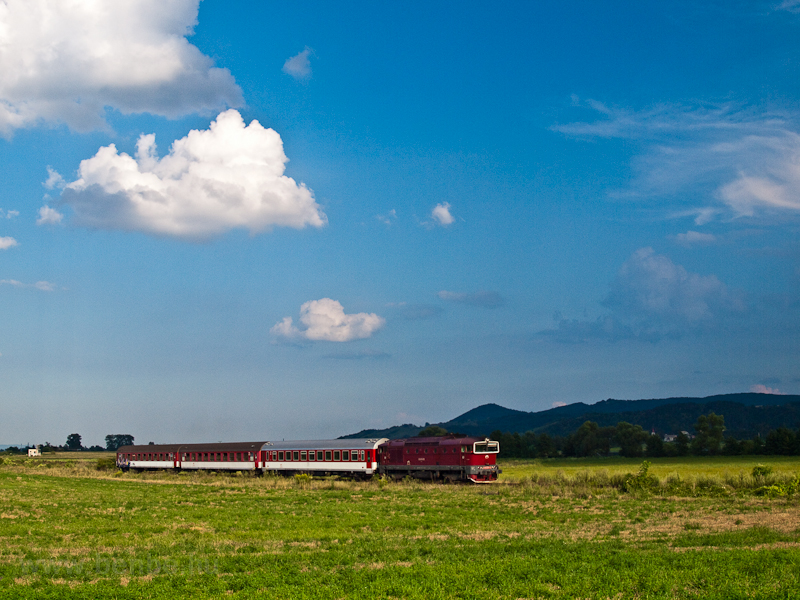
x,y
552,529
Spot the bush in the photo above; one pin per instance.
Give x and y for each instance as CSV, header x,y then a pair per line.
x,y
105,464
642,481
302,479
761,471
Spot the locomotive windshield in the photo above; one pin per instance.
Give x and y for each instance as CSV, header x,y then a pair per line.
x,y
487,447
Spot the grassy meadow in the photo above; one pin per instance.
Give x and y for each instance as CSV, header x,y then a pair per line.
x,y
590,528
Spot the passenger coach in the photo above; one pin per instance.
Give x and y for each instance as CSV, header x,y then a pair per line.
x,y
354,457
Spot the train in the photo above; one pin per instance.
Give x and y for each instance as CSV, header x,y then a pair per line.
x,y
449,458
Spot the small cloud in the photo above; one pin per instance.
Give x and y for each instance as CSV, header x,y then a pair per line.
x,y
54,180
484,299
299,66
694,238
763,389
325,320
388,218
7,242
441,214
43,286
8,214
558,404
49,216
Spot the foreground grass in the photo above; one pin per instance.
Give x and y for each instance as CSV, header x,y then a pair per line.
x,y
684,467
72,532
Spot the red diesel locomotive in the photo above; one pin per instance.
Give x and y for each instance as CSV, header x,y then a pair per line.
x,y
447,458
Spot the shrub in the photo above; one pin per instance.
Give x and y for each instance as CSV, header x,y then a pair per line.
x,y
642,481
105,464
761,471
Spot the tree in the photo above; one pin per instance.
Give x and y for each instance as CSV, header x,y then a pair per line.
x,y
630,439
682,444
432,431
74,441
710,429
655,446
589,440
732,447
780,441
117,440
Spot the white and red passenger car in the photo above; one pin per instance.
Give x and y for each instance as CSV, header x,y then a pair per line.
x,y
354,457
448,458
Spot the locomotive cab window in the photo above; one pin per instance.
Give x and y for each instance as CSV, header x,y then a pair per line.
x,y
487,447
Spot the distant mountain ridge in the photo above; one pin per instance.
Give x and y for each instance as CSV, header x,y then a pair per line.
x,y
746,414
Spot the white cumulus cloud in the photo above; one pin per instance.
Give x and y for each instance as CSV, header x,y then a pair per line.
x,y
325,320
7,242
226,177
66,60
54,179
299,65
49,216
441,214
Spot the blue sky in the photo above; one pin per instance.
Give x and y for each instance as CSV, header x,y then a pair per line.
x,y
254,220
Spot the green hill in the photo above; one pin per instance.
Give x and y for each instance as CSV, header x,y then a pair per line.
x,y
745,414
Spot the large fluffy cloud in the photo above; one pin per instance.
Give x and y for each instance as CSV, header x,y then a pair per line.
x,y
65,60
325,320
228,176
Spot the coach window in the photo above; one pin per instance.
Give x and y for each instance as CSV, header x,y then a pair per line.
x,y
280,455
319,454
311,455
345,454
303,456
362,455
296,455
337,455
327,454
426,450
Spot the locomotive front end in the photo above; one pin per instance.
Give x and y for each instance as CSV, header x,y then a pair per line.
x,y
482,461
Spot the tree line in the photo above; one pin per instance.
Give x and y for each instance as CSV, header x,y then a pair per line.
x,y
74,443
632,441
